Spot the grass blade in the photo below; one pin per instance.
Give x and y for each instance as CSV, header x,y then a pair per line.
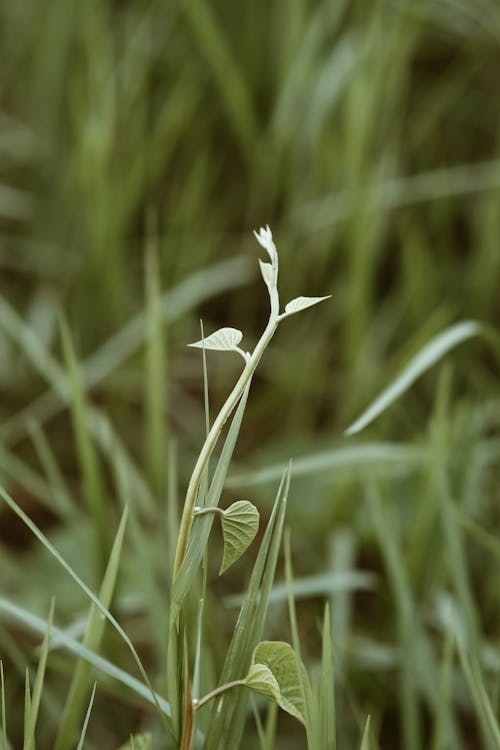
x,y
87,717
202,525
155,390
343,457
4,716
29,737
107,614
87,456
92,639
228,715
431,353
13,612
365,741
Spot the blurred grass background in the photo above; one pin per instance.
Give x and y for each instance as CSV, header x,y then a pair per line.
x,y
140,143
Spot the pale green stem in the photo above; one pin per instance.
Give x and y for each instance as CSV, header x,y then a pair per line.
x,y
213,435
204,511
214,693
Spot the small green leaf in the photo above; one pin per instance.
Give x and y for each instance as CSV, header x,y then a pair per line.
x,y
240,523
225,339
281,661
300,303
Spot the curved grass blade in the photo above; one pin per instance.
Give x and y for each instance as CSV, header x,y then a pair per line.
x,y
188,294
431,353
13,612
94,632
107,614
346,457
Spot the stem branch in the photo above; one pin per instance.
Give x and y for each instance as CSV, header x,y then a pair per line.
x,y
217,691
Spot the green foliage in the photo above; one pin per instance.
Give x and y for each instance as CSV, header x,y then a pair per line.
x,y
139,141
240,523
275,673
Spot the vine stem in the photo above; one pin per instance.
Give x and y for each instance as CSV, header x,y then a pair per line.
x,y
215,431
217,691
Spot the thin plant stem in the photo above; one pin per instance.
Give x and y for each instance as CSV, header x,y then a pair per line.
x,y
213,436
217,691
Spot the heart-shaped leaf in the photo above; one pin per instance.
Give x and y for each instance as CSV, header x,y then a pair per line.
x,y
225,339
279,659
239,526
300,303
261,679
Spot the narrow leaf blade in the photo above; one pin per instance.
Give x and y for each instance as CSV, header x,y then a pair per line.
x,y
423,361
365,742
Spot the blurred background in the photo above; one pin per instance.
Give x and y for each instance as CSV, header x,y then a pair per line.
x,y
141,142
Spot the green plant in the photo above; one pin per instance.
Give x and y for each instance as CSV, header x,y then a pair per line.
x,y
269,668
239,526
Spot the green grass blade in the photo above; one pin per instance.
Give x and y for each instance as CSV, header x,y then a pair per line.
x,y
53,472
365,741
107,614
14,613
27,708
441,731
202,525
4,716
325,699
321,584
484,709
107,359
343,457
406,616
431,353
234,93
87,455
29,737
92,639
310,710
228,715
155,376
87,717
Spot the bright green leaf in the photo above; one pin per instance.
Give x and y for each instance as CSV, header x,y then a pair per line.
x,y
240,523
225,339
284,665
